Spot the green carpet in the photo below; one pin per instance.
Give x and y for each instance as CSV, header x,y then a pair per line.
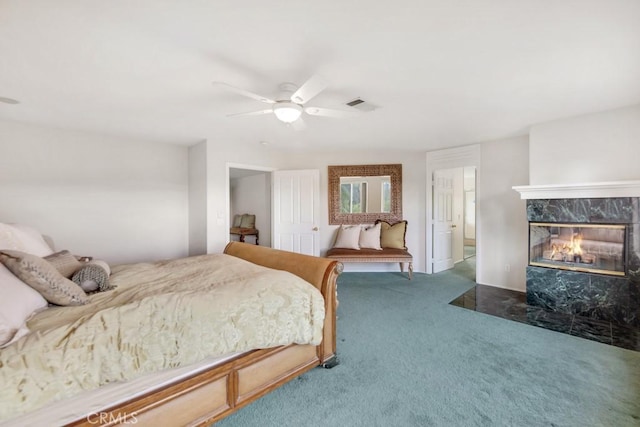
x,y
408,358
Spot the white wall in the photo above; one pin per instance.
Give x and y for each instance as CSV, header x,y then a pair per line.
x,y
218,156
252,195
592,148
126,200
502,221
115,199
413,196
198,199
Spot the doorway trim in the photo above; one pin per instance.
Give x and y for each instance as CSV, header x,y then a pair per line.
x,y
447,159
227,190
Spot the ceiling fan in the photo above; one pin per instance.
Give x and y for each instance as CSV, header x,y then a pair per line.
x,y
291,102
8,100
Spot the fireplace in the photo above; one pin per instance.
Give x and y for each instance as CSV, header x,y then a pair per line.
x,y
584,250
590,248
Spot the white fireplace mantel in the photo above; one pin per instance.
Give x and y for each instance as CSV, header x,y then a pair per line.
x,y
580,191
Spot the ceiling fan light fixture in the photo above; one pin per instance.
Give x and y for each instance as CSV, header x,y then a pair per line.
x,y
287,112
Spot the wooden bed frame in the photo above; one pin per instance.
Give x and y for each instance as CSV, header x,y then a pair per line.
x,y
215,393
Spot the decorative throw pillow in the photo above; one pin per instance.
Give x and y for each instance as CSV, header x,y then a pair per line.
x,y
93,276
348,237
393,235
44,278
17,304
248,221
237,220
370,237
64,262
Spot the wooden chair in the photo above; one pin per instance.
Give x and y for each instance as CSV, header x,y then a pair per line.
x,y
244,225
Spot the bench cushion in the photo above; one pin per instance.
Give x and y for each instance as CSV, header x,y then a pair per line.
x,y
240,230
373,255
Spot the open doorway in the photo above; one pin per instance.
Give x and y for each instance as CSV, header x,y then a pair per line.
x,y
250,193
451,209
469,212
454,217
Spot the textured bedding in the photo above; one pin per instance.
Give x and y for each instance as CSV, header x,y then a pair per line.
x,y
161,315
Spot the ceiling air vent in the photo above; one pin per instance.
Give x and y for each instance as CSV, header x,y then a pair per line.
x,y
360,104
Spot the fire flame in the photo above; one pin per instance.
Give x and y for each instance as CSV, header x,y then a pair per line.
x,y
575,243
568,250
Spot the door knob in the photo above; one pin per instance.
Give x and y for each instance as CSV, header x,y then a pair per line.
x,y
453,226
314,229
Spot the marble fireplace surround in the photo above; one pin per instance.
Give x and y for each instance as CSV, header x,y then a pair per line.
x,y
616,299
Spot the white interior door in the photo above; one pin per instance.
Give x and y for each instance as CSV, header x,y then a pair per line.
x,y
296,209
443,182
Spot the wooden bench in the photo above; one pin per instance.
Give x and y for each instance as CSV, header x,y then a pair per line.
x,y
400,256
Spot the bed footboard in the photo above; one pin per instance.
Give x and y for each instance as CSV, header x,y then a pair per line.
x,y
320,272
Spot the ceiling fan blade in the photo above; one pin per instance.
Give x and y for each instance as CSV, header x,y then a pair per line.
x,y
309,89
245,93
8,100
251,113
328,112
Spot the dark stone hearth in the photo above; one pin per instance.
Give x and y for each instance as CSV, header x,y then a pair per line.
x,y
595,296
511,305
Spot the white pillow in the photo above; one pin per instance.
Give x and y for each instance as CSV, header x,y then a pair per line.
x,y
8,238
23,238
18,301
348,237
370,237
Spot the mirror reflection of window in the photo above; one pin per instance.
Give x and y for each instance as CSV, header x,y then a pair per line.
x,y
386,197
365,194
353,197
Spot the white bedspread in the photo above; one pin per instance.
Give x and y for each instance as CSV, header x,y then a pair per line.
x,y
161,315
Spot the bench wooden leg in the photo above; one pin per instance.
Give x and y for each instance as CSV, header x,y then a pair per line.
x,y
410,269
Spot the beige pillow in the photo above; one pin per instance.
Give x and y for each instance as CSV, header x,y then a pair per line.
x,y
44,278
370,237
18,303
64,262
237,220
348,237
393,235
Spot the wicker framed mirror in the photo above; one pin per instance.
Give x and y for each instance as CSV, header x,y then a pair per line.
x,y
361,194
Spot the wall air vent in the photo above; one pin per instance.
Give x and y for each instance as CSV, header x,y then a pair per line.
x,y
362,105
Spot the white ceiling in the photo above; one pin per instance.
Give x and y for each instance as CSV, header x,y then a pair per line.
x,y
445,73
